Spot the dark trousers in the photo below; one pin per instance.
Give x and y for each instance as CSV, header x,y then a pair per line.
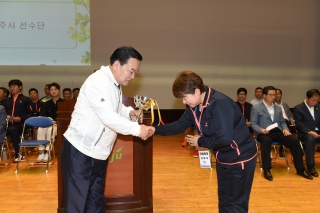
x,y
234,186
83,180
15,131
309,148
288,141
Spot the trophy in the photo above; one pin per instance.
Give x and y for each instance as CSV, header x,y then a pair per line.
x,y
143,103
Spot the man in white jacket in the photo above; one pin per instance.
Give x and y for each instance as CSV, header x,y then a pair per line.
x,y
97,118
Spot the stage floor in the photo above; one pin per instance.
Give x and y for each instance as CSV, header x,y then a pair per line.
x,y
179,185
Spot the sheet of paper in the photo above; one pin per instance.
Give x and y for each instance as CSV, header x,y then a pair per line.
x,y
272,126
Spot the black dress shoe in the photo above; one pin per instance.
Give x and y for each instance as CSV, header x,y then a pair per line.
x,y
267,174
304,174
313,172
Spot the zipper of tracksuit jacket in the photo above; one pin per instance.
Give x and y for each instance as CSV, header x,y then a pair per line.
x,y
100,136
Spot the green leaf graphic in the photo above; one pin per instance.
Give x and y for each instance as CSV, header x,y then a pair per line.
x,y
79,16
82,29
76,21
74,36
77,1
88,4
118,150
82,38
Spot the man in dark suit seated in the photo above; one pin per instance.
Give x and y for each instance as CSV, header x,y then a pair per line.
x,y
265,114
307,117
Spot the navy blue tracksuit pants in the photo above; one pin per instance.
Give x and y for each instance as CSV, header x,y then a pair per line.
x,y
84,181
234,186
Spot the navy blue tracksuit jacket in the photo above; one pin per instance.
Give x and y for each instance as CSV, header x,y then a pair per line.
x,y
222,125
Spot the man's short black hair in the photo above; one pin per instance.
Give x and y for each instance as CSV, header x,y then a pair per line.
x,y
33,89
5,90
15,82
66,89
123,54
75,89
312,92
266,89
241,89
54,84
258,88
280,91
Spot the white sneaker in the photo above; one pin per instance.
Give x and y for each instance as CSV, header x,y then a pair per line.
x,y
40,158
45,158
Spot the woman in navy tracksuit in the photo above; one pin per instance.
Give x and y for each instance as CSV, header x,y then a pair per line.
x,y
221,127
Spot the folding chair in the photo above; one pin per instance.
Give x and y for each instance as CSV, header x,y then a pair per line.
x,y
293,130
36,122
276,146
258,150
5,148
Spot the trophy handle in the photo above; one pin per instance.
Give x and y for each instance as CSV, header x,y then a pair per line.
x,y
138,116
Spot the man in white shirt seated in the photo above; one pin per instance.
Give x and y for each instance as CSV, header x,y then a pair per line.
x,y
308,126
286,112
258,96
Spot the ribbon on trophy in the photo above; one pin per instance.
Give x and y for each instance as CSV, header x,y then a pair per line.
x,y
145,103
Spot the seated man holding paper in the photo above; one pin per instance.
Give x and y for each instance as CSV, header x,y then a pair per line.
x,y
269,125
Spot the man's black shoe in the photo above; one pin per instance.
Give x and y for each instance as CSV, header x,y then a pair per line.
x,y
267,174
312,171
304,173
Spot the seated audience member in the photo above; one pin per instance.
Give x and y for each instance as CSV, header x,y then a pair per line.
x,y
265,114
287,114
75,92
18,110
4,94
258,96
245,107
308,126
3,123
66,94
49,109
35,102
47,96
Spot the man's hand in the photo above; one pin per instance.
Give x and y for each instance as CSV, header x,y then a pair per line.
x,y
192,139
9,118
314,134
17,119
151,129
264,131
145,132
286,132
134,113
